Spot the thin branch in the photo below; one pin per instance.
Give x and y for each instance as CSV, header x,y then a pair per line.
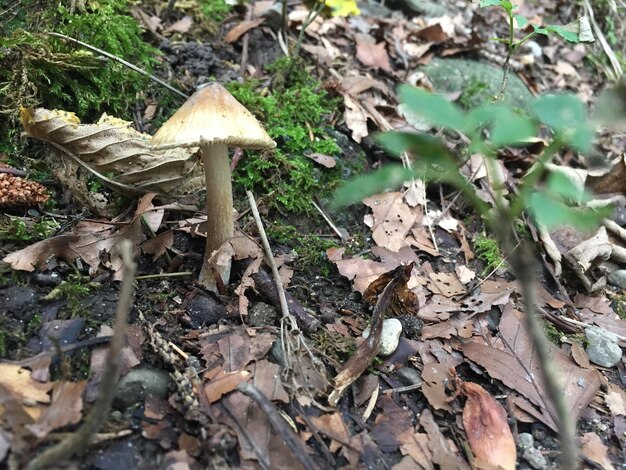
x,y
121,61
79,441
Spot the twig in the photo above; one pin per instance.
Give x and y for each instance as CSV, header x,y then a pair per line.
x,y
269,257
341,235
78,441
162,275
286,434
245,46
121,61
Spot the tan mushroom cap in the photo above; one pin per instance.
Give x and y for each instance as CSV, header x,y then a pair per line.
x,y
212,116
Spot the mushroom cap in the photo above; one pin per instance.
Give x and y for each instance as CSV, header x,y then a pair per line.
x,y
212,116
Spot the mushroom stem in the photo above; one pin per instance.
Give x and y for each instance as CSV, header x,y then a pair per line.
x,y
219,198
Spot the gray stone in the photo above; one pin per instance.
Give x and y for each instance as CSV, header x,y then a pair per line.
x,y
535,458
140,382
205,311
390,336
18,299
525,441
602,348
478,82
262,314
618,278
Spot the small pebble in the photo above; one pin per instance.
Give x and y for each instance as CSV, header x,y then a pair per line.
x,y
525,441
535,458
390,337
603,348
618,278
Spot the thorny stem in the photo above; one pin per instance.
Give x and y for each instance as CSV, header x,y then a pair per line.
x,y
78,441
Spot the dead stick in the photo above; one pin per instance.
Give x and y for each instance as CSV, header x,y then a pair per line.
x,y
79,441
287,435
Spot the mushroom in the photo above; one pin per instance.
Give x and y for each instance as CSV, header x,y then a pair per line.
x,y
213,120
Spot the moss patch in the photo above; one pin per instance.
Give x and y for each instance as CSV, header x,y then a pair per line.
x,y
488,250
295,112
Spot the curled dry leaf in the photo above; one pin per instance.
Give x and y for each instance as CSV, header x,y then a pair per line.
x,y
487,428
112,148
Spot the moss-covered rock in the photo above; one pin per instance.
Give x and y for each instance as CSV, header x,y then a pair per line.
x,y
477,82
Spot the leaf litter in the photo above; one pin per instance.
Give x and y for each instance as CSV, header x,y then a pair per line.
x,y
471,325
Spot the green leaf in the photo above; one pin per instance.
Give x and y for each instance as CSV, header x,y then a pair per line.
x,y
568,32
511,128
521,20
507,127
553,213
436,109
566,115
361,187
489,3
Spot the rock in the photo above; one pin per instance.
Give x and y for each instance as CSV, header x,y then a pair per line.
x,y
535,458
618,278
525,441
392,328
410,376
205,311
262,314
603,348
412,326
18,300
140,382
453,76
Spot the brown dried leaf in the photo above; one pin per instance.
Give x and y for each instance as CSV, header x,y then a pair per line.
x,y
180,26
18,382
371,54
391,423
321,159
242,28
112,147
593,448
266,377
446,284
220,383
158,245
392,219
444,452
515,363
356,118
487,428
92,242
66,408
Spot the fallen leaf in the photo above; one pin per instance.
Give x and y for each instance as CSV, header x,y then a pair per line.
x,y
594,449
321,159
487,429
372,54
65,409
515,363
114,148
222,383
242,28
181,26
356,118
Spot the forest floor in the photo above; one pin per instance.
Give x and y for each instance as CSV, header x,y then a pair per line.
x,y
177,403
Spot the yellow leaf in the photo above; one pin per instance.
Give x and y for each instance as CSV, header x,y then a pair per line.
x,y
343,7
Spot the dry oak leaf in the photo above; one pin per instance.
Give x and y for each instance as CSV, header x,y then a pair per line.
x,y
20,385
356,118
112,147
66,409
391,219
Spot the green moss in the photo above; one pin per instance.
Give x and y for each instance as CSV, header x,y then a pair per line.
x,y
3,343
294,113
40,70
619,306
488,250
554,335
76,288
214,10
24,229
311,249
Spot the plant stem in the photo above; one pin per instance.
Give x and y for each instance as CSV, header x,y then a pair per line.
x,y
78,441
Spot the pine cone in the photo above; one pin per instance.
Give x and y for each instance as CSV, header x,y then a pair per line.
x,y
20,192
